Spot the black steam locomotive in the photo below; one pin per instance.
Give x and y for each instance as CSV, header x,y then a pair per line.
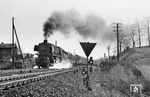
x,y
48,54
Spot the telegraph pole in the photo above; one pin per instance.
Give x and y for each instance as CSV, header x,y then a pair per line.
x,y
117,41
19,45
117,27
13,52
14,33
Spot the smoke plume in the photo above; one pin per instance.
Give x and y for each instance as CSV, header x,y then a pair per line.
x,y
61,65
89,26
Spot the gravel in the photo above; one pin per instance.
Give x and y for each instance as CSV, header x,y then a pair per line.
x,y
66,85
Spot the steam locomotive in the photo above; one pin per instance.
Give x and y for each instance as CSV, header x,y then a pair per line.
x,y
48,54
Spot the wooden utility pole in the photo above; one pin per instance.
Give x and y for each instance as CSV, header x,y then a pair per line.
x,y
19,46
117,26
118,41
14,33
13,45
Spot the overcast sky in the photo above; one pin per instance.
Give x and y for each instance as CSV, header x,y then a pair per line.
x,y
31,14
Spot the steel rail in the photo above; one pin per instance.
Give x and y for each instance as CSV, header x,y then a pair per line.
x,y
13,83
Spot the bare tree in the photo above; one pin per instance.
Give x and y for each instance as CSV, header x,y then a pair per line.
x,y
133,37
114,50
126,42
121,39
147,27
138,29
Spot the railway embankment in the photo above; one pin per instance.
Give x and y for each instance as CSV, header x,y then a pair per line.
x,y
133,68
112,83
104,84
67,85
135,64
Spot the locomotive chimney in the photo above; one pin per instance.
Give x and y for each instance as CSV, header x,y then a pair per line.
x,y
56,43
45,38
45,41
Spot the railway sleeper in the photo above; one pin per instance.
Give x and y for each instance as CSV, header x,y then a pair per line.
x,y
35,79
24,82
24,76
13,86
30,80
6,87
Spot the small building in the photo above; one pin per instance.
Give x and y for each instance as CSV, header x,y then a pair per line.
x,y
6,50
6,53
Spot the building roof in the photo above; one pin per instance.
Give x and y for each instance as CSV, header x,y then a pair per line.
x,y
8,45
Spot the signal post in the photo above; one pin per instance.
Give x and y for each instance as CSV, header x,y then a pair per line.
x,y
87,48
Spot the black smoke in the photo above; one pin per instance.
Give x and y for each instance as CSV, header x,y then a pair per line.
x,y
89,26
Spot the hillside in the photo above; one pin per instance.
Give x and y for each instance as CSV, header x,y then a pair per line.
x,y
140,58
133,68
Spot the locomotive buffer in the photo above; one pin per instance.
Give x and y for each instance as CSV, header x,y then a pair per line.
x,y
87,48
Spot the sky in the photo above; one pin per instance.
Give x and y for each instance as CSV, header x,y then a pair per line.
x,y
30,16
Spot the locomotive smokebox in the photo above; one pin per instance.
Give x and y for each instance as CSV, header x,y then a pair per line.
x,y
45,41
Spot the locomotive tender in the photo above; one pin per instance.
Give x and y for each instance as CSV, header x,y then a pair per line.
x,y
48,54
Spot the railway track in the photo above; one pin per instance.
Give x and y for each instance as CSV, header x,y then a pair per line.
x,y
19,71
22,79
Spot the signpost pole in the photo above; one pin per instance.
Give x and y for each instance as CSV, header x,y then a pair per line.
x,y
87,66
87,48
87,76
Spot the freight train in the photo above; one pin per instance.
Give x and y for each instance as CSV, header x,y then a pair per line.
x,y
48,54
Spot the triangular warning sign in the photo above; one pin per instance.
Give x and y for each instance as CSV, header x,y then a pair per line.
x,y
87,47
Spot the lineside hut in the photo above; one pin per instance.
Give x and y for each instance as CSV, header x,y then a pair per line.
x,y
6,53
